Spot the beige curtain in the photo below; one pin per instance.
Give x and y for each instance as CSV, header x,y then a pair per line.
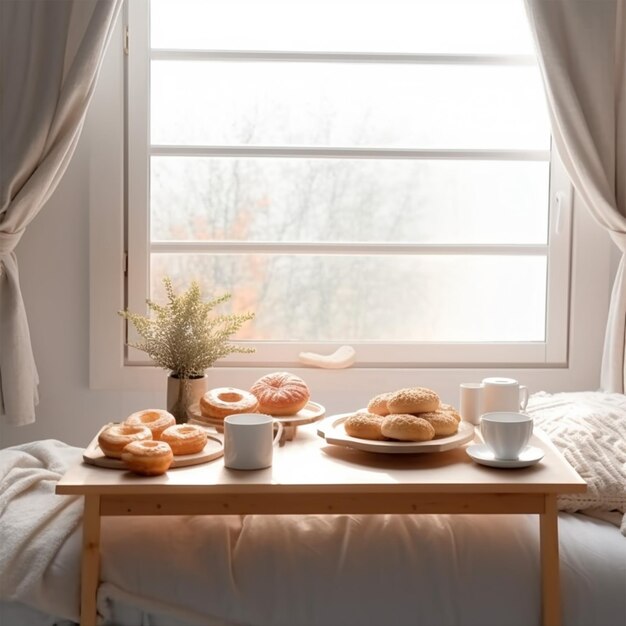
x,y
582,54
50,54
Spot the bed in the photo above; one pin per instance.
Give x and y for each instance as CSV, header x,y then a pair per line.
x,y
325,570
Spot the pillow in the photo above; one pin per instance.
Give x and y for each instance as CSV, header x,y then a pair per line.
x,y
589,429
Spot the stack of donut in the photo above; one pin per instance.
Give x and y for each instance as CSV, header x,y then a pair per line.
x,y
411,414
148,440
277,394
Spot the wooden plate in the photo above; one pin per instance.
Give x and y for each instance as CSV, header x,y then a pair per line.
x,y
311,412
213,450
333,431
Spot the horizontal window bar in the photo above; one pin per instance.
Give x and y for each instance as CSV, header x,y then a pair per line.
x,y
239,247
162,54
348,153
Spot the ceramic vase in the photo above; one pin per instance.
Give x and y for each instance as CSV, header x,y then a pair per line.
x,y
184,392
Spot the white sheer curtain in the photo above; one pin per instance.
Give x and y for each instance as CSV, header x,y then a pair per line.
x,y
50,55
582,53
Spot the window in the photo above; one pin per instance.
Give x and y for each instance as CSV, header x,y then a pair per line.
x,y
376,173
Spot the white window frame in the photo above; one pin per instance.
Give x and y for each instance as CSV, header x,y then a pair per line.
x,y
123,186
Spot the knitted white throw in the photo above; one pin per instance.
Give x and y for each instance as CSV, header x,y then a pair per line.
x,y
589,428
34,526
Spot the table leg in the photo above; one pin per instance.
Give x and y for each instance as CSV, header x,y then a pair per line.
x,y
549,545
90,567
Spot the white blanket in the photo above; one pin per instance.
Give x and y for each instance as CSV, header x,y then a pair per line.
x,y
35,524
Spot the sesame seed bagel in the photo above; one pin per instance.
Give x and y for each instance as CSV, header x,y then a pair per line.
x,y
364,425
448,408
413,400
405,427
443,422
378,404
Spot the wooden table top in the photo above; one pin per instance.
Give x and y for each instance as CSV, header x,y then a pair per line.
x,y
308,464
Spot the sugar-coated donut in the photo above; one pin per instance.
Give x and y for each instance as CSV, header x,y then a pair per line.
x,y
156,420
378,404
149,458
407,428
448,408
222,401
413,400
184,438
280,393
364,426
113,439
443,422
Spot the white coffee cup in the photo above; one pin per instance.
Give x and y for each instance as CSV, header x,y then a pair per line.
x,y
471,402
503,394
249,440
506,433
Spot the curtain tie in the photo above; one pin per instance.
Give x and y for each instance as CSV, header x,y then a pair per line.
x,y
8,241
617,237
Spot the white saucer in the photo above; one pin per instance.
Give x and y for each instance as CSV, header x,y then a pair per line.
x,y
483,455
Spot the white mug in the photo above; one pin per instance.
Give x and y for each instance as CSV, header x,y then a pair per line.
x,y
493,394
506,433
471,402
503,394
249,440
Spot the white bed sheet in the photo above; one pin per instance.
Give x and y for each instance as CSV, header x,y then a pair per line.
x,y
365,570
431,570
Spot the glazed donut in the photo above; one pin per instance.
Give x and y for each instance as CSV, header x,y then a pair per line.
x,y
155,419
184,438
149,458
223,401
413,400
448,408
280,393
113,439
407,428
364,426
443,422
378,404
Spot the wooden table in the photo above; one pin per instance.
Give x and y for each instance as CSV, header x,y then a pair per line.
x,y
311,476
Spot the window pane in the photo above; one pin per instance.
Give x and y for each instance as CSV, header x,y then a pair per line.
x,y
348,104
449,26
349,200
405,298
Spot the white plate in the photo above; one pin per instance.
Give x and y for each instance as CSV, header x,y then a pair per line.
x,y
333,431
483,455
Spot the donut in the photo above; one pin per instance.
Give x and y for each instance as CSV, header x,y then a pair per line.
x,y
155,419
113,439
364,425
413,400
184,438
223,401
378,404
448,408
280,393
443,422
407,428
149,458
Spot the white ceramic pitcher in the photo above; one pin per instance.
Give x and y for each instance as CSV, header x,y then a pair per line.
x,y
491,395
